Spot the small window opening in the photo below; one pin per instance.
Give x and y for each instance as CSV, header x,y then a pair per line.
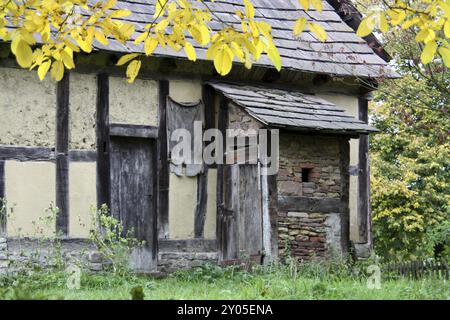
x,y
306,174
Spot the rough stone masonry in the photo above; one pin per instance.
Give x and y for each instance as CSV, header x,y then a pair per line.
x,y
3,256
309,235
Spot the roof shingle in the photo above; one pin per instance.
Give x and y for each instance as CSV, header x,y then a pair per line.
x,y
292,110
343,54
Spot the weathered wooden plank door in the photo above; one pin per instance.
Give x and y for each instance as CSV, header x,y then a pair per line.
x,y
240,216
133,195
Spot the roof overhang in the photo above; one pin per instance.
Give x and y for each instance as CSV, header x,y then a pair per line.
x,y
292,110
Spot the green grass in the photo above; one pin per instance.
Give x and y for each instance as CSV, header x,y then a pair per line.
x,y
215,283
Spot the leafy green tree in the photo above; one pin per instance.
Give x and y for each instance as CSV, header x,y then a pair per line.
x,y
410,157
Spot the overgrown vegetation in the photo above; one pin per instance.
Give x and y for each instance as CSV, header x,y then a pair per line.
x,y
410,157
113,242
315,280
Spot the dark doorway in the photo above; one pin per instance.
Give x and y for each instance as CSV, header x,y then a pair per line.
x,y
133,194
240,215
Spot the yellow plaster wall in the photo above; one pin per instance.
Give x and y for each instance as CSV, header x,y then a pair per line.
x,y
350,104
183,190
30,190
27,109
211,209
82,105
182,204
135,103
183,91
82,198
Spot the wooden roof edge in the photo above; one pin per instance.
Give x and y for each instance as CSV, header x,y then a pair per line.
x,y
347,131
352,17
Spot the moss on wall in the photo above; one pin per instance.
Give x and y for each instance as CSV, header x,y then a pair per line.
x,y
27,109
30,190
135,103
82,104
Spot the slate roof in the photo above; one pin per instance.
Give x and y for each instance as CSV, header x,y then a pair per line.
x,y
292,110
343,54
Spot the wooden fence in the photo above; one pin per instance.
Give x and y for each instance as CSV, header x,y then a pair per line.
x,y
419,269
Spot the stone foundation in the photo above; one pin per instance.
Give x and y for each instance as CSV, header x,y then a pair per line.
x,y
308,236
169,262
27,252
4,262
185,254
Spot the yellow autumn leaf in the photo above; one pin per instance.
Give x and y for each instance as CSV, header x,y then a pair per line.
x,y
274,56
445,54
190,51
24,54
120,13
109,4
57,70
317,4
67,59
133,70
141,38
428,52
159,11
249,9
304,4
447,28
14,43
384,26
223,60
319,31
43,69
150,45
205,35
299,26
84,45
100,37
426,35
126,58
366,26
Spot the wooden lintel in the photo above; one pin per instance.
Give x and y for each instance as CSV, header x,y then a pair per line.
x,y
26,153
133,131
305,204
83,155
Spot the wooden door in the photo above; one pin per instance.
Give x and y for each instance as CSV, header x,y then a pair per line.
x,y
240,215
133,194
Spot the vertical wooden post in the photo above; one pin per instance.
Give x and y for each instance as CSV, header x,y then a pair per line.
x,y
62,155
163,164
103,142
223,124
363,214
344,163
202,180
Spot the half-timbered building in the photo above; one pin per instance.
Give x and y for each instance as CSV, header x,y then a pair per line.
x,y
93,139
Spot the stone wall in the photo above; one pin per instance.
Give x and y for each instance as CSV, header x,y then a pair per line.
x,y
3,256
314,231
23,253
